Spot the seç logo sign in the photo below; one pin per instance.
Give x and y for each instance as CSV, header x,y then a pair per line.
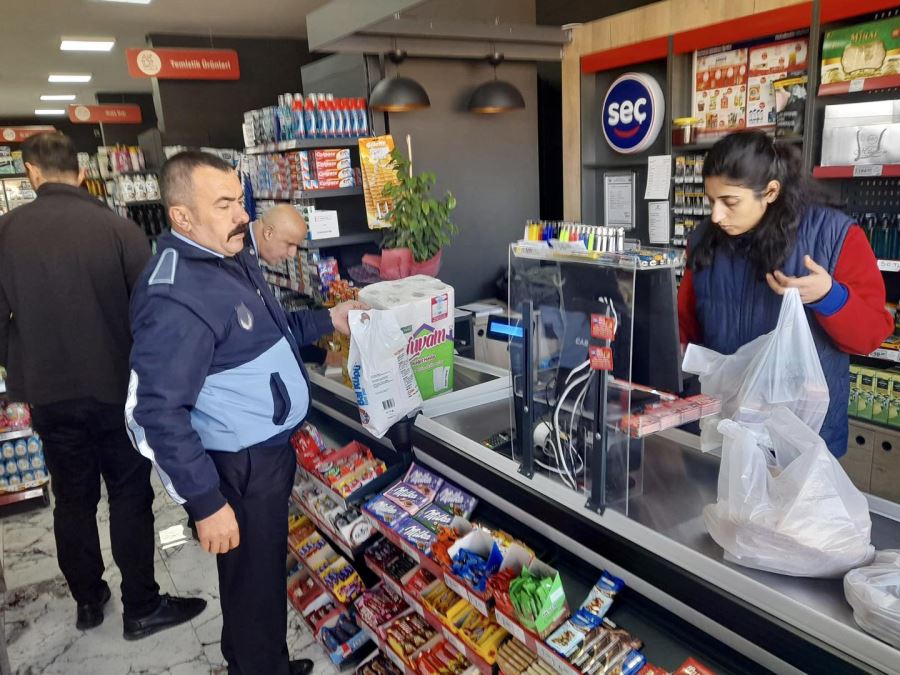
x,y
633,112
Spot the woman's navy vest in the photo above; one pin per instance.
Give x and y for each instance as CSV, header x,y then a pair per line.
x,y
735,305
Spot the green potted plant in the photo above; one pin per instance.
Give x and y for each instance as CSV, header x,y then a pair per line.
x,y
420,224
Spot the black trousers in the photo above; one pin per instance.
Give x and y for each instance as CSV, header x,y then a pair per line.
x,y
84,440
257,483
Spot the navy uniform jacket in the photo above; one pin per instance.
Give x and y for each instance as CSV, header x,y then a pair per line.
x,y
215,366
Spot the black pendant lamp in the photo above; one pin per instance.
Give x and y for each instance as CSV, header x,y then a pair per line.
x,y
398,94
496,96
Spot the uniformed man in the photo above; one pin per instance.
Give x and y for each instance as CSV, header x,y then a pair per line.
x,y
217,387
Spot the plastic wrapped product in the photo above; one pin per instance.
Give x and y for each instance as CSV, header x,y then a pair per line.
x,y
383,380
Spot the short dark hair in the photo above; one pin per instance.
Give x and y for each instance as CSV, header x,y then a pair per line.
x,y
52,152
175,178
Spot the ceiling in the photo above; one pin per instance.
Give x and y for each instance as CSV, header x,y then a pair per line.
x,y
29,48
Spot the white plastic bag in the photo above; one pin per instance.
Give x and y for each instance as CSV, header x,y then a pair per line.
x,y
778,369
385,386
874,594
790,509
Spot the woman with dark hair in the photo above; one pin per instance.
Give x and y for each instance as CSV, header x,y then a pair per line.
x,y
771,230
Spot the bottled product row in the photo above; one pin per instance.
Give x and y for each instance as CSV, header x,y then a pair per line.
x,y
294,117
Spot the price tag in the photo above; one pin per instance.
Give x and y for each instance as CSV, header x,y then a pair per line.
x,y
393,656
857,85
417,606
478,604
455,586
455,641
511,627
889,265
552,659
867,170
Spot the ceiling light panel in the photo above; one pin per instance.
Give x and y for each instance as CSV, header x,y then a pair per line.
x,y
69,77
58,97
86,44
49,111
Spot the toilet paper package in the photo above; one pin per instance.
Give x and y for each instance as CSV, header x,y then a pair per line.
x,y
423,306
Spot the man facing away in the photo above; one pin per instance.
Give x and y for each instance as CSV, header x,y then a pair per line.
x,y
278,235
217,388
67,267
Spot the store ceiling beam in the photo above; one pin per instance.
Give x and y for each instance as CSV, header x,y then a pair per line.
x,y
455,49
341,18
469,31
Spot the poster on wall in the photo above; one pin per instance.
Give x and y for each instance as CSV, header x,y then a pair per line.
x,y
733,84
720,89
769,63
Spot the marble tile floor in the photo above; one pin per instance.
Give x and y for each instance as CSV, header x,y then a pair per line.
x,y
40,614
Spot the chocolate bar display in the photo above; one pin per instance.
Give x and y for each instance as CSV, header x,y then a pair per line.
x,y
407,497
455,500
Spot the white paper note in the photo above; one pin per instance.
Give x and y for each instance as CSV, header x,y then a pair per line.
x,y
659,177
658,213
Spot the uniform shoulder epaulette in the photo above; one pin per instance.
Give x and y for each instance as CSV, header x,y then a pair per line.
x,y
164,273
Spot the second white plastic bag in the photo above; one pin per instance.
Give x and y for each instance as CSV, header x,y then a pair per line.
x,y
778,369
385,386
791,509
874,594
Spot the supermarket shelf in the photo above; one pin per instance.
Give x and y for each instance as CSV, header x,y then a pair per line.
x,y
343,240
304,144
480,601
14,497
329,531
372,487
309,194
891,355
282,282
317,581
435,621
142,201
889,265
872,425
130,173
863,84
15,434
857,171
4,176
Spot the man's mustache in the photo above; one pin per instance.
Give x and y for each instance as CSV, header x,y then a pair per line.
x,y
240,229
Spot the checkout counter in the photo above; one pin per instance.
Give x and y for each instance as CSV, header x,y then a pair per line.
x,y
660,547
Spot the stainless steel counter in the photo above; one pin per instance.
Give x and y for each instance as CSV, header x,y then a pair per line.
x,y
665,521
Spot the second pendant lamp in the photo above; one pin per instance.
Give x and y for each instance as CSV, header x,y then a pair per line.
x,y
495,96
398,94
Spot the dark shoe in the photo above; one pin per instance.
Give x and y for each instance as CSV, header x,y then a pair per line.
x,y
91,615
301,667
172,611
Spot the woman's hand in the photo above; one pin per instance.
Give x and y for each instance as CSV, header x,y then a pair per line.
x,y
813,287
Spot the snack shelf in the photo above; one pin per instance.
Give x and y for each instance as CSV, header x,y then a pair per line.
x,y
434,620
287,195
891,355
857,171
392,474
480,601
304,144
350,653
385,648
329,531
317,581
862,84
16,434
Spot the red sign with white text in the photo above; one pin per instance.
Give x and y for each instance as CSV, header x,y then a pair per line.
x,y
19,134
184,64
110,113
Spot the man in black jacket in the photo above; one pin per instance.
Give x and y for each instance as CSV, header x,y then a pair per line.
x,y
67,267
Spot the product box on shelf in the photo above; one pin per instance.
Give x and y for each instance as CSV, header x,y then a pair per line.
x,y
863,52
341,637
410,635
861,133
379,606
377,171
